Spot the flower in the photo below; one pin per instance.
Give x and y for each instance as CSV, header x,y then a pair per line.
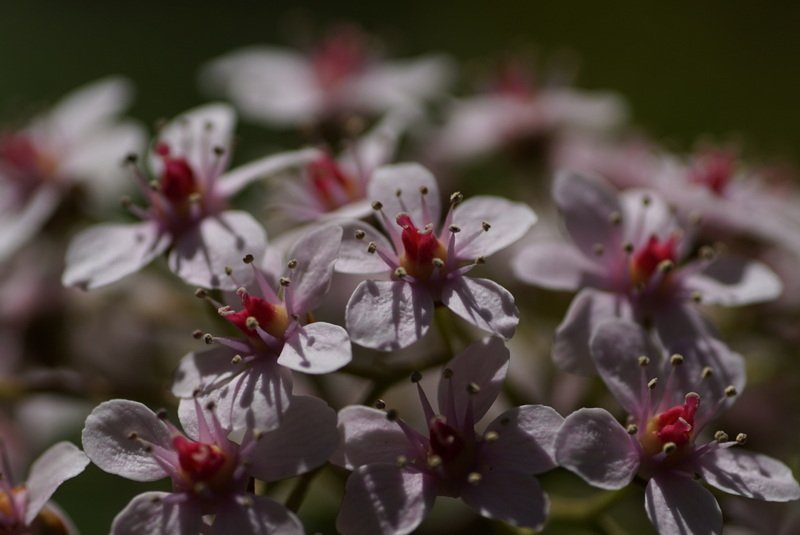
x,y
339,77
427,267
661,442
628,261
248,377
25,508
209,472
79,142
398,472
187,212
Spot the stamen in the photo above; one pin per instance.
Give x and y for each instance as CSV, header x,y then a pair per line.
x,y
474,478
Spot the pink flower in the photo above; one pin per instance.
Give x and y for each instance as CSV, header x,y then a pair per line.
x,y
427,267
25,508
628,259
398,472
338,78
248,378
209,472
79,141
661,442
188,213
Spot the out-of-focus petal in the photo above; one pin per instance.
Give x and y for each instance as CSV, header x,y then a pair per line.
x,y
234,180
17,227
88,107
60,462
735,281
557,266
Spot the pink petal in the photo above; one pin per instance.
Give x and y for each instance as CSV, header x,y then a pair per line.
x,y
60,462
104,254
641,221
257,514
508,495
749,474
17,227
353,255
406,178
317,348
485,364
152,513
388,315
735,281
89,107
676,505
556,266
316,253
595,446
526,438
201,256
483,303
234,180
384,499
368,437
108,443
305,439
201,369
509,222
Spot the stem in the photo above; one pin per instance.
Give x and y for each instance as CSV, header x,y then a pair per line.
x,y
298,494
439,317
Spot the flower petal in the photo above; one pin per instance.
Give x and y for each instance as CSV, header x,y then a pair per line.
x,y
377,147
408,179
749,474
595,446
677,505
88,107
305,439
485,364
256,514
509,221
234,180
17,227
316,253
201,256
317,348
587,206
107,439
202,369
588,309
353,255
384,499
508,495
368,437
388,315
104,254
483,303
60,462
152,513
556,266
735,281
526,438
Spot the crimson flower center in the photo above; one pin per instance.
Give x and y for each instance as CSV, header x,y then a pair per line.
x,y
23,160
270,317
200,462
420,248
178,181
714,171
339,57
330,184
648,258
675,425
444,440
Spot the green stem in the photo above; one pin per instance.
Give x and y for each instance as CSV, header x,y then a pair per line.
x,y
441,319
298,494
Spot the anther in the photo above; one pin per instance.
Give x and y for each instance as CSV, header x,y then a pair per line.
x,y
398,193
291,264
400,272
360,234
706,373
454,229
228,270
248,259
372,247
200,293
665,266
377,205
423,190
391,415
211,406
651,384
434,461
161,414
485,226
402,460
721,436
237,359
437,262
219,151
632,429
491,436
646,200
473,388
479,261
380,404
741,438
416,376
676,360
730,391
155,499
456,197
284,281
447,373
669,448
615,218
131,158
627,247
697,297
474,478
251,322
208,338
644,360
197,334
133,435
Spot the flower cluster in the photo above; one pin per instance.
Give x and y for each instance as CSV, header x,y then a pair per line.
x,y
378,269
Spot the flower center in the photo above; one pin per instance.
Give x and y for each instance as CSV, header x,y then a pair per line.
x,y
420,248
331,186
339,57
201,463
513,80
444,440
261,313
178,181
23,162
655,254
673,426
714,170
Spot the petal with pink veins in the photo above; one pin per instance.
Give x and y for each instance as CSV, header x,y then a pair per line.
x,y
592,444
526,438
385,499
483,303
306,438
388,315
556,266
368,437
59,463
153,513
677,505
316,253
508,495
257,514
749,474
201,256
735,281
201,370
508,222
317,348
408,179
112,438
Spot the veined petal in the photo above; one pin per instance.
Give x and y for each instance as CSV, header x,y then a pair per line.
x,y
388,315
353,255
592,444
509,495
526,438
384,499
112,439
317,348
201,256
483,303
60,462
255,514
749,474
104,254
316,253
735,281
677,505
509,221
556,266
368,437
200,369
408,179
151,513
305,439
234,180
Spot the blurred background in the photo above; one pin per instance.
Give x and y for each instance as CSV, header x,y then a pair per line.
x,y
724,69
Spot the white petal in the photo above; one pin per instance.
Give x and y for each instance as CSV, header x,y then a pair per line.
x,y
234,180
677,505
508,495
483,303
201,369
89,106
317,348
353,255
60,462
151,513
526,439
749,474
316,253
104,254
17,227
408,179
735,281
556,266
368,437
388,315
258,515
509,222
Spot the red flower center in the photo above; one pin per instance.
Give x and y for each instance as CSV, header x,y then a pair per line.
x,y
675,425
177,178
714,170
272,318
444,440
331,186
200,462
23,161
339,57
648,258
420,248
